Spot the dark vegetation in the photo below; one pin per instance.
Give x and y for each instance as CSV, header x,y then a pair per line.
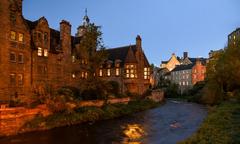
x,y
222,92
88,114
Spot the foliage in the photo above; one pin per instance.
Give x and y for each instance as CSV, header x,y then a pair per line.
x,y
114,88
92,89
172,90
222,126
223,75
86,114
69,91
196,93
92,51
163,83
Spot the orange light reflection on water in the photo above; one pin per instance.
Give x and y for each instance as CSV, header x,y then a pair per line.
x,y
133,134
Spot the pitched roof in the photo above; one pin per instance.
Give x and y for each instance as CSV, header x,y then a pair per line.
x,y
183,67
119,53
31,24
126,54
193,60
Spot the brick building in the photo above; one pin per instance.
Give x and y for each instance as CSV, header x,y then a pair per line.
x,y
34,56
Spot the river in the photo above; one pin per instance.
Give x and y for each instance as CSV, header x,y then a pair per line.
x,y
168,124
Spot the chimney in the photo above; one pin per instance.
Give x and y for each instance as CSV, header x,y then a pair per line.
x,y
138,42
185,55
65,36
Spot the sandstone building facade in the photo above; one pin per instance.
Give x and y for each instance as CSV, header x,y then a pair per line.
x,y
33,55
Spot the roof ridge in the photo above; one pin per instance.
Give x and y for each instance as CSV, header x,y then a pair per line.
x,y
120,47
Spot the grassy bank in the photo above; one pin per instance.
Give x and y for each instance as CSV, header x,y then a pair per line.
x,y
222,126
88,114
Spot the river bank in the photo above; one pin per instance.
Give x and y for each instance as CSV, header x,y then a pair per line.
x,y
84,114
221,126
153,126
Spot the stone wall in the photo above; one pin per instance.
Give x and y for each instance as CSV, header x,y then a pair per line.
x,y
13,119
157,95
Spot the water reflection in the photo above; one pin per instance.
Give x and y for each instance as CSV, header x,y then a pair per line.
x,y
133,134
167,124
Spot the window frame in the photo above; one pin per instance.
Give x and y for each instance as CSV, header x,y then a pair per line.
x,y
22,58
13,35
10,57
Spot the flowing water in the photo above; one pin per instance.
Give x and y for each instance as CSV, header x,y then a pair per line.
x,y
168,124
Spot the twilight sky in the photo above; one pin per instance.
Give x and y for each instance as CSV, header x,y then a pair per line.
x,y
166,26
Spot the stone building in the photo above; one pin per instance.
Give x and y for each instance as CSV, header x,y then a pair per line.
x,y
233,37
33,56
171,63
188,75
129,66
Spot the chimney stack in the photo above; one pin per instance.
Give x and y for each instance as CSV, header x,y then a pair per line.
x,y
185,55
138,42
65,36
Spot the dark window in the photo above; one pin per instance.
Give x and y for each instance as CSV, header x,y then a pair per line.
x,y
12,57
13,79
20,58
20,79
45,39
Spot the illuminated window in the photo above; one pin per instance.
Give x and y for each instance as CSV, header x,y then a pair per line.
x,y
73,59
20,58
45,52
86,75
40,51
146,73
131,71
20,79
108,72
12,57
117,71
100,72
13,79
73,75
20,37
82,74
13,35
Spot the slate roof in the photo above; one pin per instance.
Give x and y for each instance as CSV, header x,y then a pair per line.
x,y
183,67
126,54
31,24
203,60
119,54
